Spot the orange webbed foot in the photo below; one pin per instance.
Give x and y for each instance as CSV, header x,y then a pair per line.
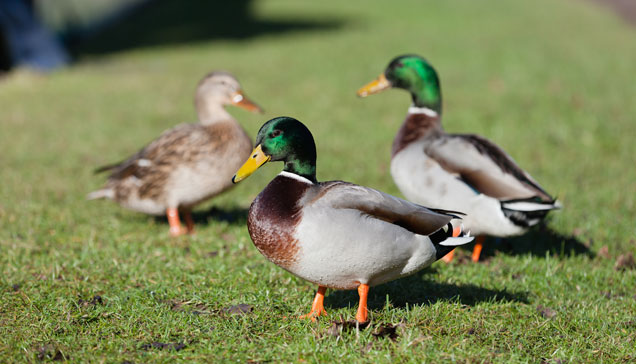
x,y
317,308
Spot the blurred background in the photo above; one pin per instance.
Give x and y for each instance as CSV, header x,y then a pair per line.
x,y
88,82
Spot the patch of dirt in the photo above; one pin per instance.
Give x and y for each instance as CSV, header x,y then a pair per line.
x,y
552,361
625,262
387,330
96,300
338,327
202,309
546,312
603,252
381,331
194,308
240,309
50,352
163,346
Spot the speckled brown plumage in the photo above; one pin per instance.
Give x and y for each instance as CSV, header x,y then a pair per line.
x,y
183,145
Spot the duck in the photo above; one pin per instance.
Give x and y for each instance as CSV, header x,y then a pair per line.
x,y
187,164
336,234
464,172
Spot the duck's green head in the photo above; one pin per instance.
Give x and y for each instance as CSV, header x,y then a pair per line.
x,y
414,74
282,139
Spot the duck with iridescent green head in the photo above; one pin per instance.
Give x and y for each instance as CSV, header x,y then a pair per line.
x,y
337,234
463,172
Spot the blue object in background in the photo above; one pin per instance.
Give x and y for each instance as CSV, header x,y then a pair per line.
x,y
27,41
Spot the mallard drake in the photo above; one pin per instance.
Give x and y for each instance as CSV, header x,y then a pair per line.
x,y
187,164
464,172
337,234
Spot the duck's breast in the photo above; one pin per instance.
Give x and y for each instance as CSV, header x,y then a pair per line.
x,y
273,218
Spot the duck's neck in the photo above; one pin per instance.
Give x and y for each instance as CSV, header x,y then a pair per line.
x,y
420,122
303,164
210,111
427,94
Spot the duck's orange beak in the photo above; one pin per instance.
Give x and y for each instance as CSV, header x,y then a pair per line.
x,y
239,99
375,86
256,159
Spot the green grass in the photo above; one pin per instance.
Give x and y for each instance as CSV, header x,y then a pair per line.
x,y
549,81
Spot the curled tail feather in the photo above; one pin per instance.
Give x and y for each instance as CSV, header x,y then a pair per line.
x,y
449,237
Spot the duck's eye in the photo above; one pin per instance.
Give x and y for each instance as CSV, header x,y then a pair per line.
x,y
275,133
254,156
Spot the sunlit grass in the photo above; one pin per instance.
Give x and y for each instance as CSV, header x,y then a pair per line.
x,y
551,82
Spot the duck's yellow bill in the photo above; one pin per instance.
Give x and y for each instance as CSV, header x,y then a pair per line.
x,y
375,86
256,159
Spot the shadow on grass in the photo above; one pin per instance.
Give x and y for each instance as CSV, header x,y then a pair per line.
x,y
172,22
414,290
537,242
232,216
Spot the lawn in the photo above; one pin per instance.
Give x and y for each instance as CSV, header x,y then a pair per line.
x,y
550,81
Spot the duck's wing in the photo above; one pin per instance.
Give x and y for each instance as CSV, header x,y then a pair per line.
x,y
415,218
174,145
486,168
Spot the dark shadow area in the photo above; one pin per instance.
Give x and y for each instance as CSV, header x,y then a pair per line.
x,y
415,290
537,242
171,22
232,216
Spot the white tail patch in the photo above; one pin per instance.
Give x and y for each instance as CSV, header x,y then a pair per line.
x,y
457,241
105,193
530,206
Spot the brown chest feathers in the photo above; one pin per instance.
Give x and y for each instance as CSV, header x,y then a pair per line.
x,y
273,218
415,127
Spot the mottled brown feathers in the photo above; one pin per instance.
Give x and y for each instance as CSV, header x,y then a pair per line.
x,y
415,127
273,218
183,145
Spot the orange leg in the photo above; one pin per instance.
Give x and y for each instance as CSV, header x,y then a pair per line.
x,y
317,308
479,243
363,292
187,216
449,257
173,220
